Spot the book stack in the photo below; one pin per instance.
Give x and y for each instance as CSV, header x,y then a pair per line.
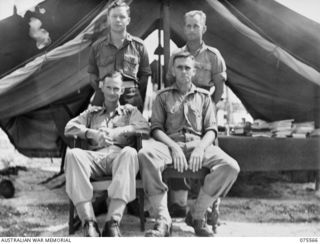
x,y
281,128
302,130
260,128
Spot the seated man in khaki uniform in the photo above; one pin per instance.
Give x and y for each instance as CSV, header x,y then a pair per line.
x,y
109,130
184,128
210,71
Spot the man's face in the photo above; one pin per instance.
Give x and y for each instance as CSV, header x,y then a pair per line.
x,y
194,28
112,89
118,19
183,71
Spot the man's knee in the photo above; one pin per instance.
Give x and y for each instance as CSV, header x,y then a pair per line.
x,y
129,151
131,156
72,157
233,166
230,168
147,161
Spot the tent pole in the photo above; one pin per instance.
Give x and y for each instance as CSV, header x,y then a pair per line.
x,y
159,61
317,126
166,34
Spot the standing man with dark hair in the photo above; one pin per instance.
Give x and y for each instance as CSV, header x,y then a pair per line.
x,y
109,131
210,72
120,51
184,127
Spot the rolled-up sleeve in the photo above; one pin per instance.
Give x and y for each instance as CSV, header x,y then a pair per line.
x,y
209,121
158,114
77,126
92,64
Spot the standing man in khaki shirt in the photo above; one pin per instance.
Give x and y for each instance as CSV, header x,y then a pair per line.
x,y
209,64
210,72
184,128
120,51
109,131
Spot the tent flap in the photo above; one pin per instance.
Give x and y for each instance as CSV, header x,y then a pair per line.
x,y
272,56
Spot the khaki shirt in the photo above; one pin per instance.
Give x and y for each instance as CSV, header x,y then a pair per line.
x,y
173,113
209,66
95,118
131,60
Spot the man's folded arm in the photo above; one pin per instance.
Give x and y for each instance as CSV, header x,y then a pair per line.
x,y
77,127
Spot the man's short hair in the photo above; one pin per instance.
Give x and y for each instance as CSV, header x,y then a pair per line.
x,y
182,54
193,13
119,3
113,75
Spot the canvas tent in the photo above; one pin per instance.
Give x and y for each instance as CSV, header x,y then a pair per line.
x,y
272,56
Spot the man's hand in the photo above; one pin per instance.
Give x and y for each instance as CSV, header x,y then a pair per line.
x,y
195,161
115,133
101,137
179,159
128,109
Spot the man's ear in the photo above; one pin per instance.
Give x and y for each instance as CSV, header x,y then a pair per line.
x,y
193,71
121,90
204,29
173,72
129,20
100,84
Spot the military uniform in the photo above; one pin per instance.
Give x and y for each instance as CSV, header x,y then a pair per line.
x,y
131,60
209,65
118,160
185,119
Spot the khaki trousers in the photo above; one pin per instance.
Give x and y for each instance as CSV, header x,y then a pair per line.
x,y
155,156
81,165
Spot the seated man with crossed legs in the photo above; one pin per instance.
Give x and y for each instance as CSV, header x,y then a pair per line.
x,y
109,130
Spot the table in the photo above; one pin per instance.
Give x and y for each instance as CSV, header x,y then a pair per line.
x,y
274,154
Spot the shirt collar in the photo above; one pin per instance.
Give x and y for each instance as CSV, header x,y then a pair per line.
x,y
192,89
128,38
202,47
119,109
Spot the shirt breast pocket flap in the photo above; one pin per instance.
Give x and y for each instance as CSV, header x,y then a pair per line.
x,y
130,64
133,60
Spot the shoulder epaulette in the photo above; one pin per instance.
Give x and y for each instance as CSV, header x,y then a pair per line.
x,y
214,50
204,91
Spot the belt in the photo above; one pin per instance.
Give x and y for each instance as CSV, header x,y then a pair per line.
x,y
188,131
185,131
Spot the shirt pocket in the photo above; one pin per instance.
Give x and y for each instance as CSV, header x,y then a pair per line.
x,y
194,116
130,65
